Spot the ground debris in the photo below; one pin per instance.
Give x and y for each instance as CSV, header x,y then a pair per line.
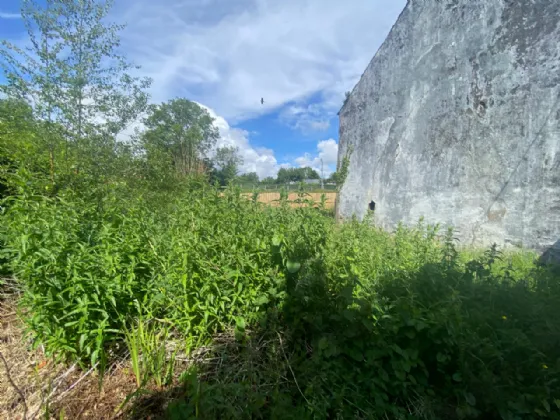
x,y
49,388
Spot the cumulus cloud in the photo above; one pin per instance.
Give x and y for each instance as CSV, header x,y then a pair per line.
x,y
262,160
228,54
255,159
324,161
306,118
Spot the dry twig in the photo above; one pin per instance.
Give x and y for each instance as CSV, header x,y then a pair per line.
x,y
25,409
80,379
291,370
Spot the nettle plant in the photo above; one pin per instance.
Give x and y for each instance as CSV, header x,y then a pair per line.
x,y
401,321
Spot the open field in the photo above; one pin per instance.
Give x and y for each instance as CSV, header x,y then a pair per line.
x,y
273,198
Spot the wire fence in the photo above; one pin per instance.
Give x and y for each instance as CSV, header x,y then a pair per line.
x,y
315,188
272,198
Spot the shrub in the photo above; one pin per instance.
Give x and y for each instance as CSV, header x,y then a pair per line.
x,y
338,321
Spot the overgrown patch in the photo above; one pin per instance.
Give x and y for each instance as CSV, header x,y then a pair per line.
x,y
328,321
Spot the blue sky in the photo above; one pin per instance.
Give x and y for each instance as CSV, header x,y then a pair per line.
x,y
299,55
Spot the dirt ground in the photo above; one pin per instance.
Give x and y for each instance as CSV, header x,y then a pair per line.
x,y
33,386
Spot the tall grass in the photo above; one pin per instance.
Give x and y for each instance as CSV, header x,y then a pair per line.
x,y
330,321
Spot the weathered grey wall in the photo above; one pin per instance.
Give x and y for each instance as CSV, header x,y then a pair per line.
x,y
457,119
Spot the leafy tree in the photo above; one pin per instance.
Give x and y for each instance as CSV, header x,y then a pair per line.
x,y
73,76
310,173
248,178
16,127
296,174
181,133
24,157
282,176
333,177
268,180
227,161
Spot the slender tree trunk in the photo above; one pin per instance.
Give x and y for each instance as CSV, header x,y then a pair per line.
x,y
50,136
51,159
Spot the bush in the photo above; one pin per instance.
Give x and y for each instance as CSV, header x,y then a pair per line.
x,y
330,321
89,266
402,326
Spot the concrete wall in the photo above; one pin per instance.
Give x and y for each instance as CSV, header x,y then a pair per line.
x,y
457,119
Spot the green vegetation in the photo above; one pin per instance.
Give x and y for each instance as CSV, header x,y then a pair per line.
x,y
227,161
342,173
178,134
126,249
356,321
295,175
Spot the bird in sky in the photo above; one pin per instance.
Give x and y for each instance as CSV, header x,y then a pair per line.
x,y
262,101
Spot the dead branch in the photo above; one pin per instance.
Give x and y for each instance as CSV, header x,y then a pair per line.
x,y
23,401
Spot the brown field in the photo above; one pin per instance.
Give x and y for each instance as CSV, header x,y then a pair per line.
x,y
272,197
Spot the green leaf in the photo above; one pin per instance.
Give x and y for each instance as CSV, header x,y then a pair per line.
x,y
293,266
94,356
471,400
397,349
82,340
240,324
457,377
355,354
412,353
410,334
406,366
261,300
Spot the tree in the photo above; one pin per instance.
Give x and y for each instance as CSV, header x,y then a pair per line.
x,y
310,173
282,176
268,181
248,178
227,161
72,75
16,142
296,174
180,131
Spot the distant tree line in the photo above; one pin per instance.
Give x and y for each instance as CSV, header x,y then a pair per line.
x,y
285,176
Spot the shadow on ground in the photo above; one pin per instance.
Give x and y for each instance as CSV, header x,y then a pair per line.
x,y
443,341
551,255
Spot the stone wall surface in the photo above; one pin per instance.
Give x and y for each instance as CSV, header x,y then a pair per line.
x,y
457,119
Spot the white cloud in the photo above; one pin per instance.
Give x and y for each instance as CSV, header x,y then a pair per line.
x,y
228,54
325,160
5,15
306,118
328,151
260,160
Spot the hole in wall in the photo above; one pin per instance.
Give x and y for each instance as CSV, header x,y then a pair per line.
x,y
372,205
